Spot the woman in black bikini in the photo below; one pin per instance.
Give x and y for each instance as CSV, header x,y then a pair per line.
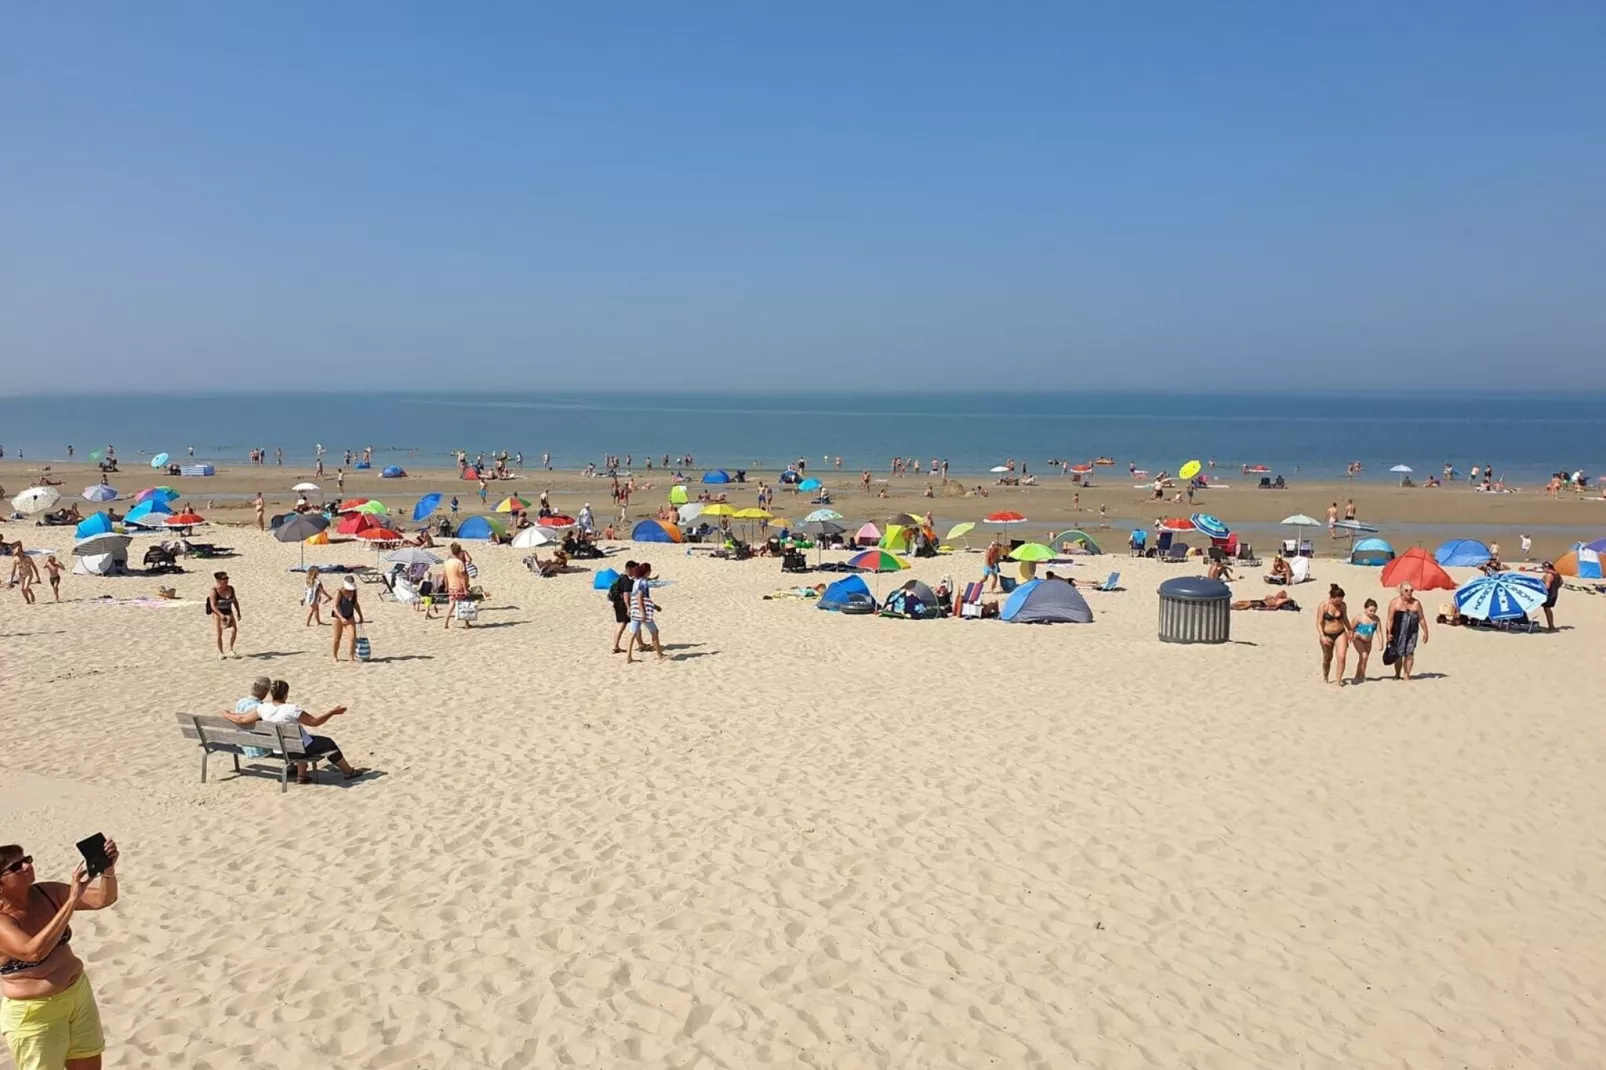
x,y
224,605
1332,628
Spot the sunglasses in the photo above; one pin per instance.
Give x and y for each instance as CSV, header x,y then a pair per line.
x,y
25,860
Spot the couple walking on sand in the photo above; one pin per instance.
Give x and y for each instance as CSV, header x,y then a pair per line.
x,y
634,609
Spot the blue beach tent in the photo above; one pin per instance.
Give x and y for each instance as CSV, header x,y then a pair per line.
x,y
718,475
1371,552
850,590
95,524
479,527
604,579
1046,602
392,471
1463,553
653,531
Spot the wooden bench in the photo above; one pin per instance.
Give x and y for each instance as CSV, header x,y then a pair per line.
x,y
221,735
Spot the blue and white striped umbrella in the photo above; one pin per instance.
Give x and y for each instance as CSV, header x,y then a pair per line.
x,y
1210,526
100,492
1502,596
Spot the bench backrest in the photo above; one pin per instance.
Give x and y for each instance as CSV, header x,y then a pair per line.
x,y
220,731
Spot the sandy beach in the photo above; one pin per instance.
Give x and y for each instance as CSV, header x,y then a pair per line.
x,y
816,840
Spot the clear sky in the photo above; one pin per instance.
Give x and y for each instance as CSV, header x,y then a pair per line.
x,y
760,195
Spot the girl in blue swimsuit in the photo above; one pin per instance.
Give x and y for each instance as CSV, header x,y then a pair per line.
x,y
1361,633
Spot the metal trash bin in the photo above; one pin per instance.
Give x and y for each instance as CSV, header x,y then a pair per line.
x,y
1195,610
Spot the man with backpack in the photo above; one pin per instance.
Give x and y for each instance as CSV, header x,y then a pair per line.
x,y
619,598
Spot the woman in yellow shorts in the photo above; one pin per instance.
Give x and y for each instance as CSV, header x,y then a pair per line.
x,y
47,1011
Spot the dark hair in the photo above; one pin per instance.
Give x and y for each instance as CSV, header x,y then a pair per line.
x,y
220,575
644,569
630,566
280,690
9,854
1370,603
1335,591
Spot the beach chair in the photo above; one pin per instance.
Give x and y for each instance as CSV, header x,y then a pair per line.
x,y
1139,543
1111,583
1176,553
1246,555
1306,548
970,600
1162,543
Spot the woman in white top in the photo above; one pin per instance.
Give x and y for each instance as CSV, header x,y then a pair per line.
x,y
279,710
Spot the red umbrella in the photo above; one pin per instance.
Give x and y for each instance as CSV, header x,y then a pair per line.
x,y
556,520
1081,469
377,534
1004,517
1417,567
1177,523
184,520
349,504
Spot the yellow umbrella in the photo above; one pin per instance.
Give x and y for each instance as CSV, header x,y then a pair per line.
x,y
512,504
1189,470
749,514
719,509
959,530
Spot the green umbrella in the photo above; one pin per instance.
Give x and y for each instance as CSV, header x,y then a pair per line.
x,y
1032,551
372,507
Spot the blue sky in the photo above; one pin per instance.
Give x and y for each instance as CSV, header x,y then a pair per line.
x,y
755,196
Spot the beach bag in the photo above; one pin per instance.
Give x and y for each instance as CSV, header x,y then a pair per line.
x,y
1390,656
363,649
466,611
473,571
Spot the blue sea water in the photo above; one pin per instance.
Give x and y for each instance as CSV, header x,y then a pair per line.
x,y
1311,436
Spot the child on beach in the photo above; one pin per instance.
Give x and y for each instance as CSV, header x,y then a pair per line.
x,y
53,570
314,597
1361,633
24,573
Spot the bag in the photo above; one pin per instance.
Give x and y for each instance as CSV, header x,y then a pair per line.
x,y
209,607
1390,656
473,570
363,649
466,611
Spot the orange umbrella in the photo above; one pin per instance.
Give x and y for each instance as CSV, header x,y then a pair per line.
x,y
1417,567
379,534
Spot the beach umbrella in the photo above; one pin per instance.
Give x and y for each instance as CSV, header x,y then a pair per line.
x,y
104,543
100,492
412,555
690,511
530,538
959,531
307,488
351,505
184,520
998,468
512,504
1210,525
1417,567
1401,468
379,534
1502,596
877,561
372,507
426,505
299,527
1003,517
159,461
1300,520
753,513
1033,551
822,527
1081,469
1354,527
719,509
810,484
1582,561
1189,470
36,500
904,520
677,495
95,524
822,514
162,494
1176,523
556,521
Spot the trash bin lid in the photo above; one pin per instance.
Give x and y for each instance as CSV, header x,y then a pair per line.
x,y
1195,589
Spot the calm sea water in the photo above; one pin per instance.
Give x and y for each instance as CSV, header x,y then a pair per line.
x,y
1525,438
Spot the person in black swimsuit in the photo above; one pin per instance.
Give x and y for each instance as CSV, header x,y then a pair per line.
x,y
346,616
223,603
1333,628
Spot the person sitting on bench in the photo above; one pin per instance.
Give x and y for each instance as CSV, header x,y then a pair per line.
x,y
278,710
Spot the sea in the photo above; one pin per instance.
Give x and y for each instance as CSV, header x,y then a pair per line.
x,y
1308,436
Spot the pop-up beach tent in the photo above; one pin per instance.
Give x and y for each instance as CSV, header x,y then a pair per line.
x,y
846,593
480,527
1046,602
656,531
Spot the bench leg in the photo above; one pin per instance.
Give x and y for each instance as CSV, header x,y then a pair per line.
x,y
205,754
284,777
236,758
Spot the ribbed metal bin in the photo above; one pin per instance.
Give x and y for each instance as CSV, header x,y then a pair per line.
x,y
1195,610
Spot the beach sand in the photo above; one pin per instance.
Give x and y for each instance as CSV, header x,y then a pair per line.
x,y
816,840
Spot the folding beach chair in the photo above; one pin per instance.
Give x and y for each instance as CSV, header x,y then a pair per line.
x,y
1176,553
1111,583
970,600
